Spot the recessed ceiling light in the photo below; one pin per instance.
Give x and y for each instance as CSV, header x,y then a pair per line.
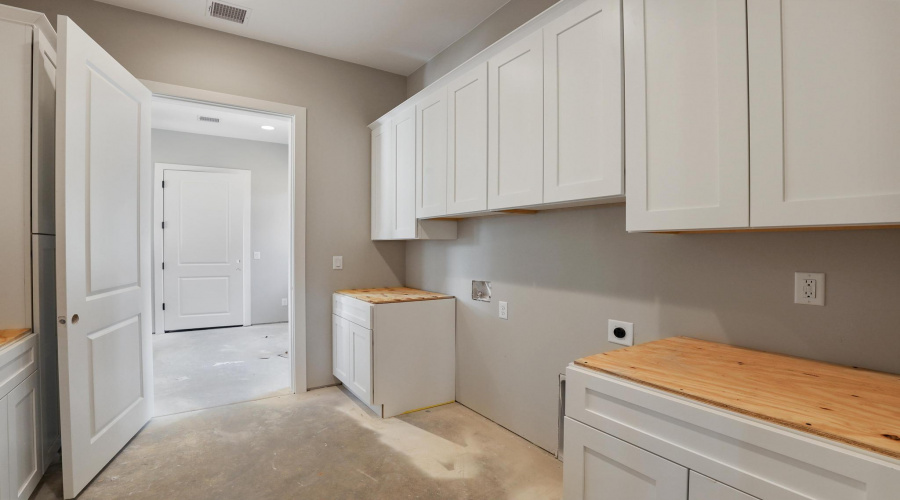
x,y
268,127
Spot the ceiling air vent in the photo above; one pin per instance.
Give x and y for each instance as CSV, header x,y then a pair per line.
x,y
208,119
228,12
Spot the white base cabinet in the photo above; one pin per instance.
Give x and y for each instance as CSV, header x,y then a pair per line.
x,y
21,457
627,441
396,357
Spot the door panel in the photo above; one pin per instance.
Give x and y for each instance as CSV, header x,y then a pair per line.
x,y
431,155
340,329
601,467
206,221
25,466
704,488
583,148
516,125
404,155
825,112
361,363
467,135
103,255
686,139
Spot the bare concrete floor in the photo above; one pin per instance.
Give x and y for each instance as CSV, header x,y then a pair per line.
x,y
323,445
207,368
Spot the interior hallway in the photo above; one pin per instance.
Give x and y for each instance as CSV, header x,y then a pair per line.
x,y
200,369
323,445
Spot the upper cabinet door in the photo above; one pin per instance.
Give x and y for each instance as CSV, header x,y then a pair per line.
x,y
516,125
825,112
583,146
383,183
467,117
403,130
686,113
431,155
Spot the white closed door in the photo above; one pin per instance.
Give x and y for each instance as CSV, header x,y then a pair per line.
x,y
583,148
704,488
824,112
431,155
516,125
340,338
205,240
361,362
403,135
103,260
467,136
383,183
601,467
686,131
25,458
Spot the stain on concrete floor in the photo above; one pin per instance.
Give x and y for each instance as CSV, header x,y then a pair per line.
x,y
323,445
202,369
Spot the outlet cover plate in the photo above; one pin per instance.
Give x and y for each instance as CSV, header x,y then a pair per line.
x,y
809,288
628,339
504,310
337,262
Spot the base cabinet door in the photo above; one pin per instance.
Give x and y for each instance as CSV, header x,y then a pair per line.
x,y
361,363
4,451
23,410
686,133
340,338
704,488
601,467
824,112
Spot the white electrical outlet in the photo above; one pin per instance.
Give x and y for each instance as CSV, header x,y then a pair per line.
x,y
809,288
337,262
620,332
257,256
284,301
504,310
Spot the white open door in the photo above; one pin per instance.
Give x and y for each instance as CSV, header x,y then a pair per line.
x,y
103,256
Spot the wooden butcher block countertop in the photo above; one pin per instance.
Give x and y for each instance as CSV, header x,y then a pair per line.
x,y
854,406
10,336
392,295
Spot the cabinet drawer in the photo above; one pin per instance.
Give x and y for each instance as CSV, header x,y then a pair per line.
x,y
17,361
354,310
761,459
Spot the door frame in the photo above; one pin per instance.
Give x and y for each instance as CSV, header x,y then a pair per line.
x,y
297,186
159,250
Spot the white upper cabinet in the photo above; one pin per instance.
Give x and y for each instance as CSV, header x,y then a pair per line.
x,y
686,113
467,118
431,155
383,182
583,103
824,112
403,132
516,125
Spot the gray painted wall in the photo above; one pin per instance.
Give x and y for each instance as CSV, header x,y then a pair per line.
x,y
341,99
270,206
566,272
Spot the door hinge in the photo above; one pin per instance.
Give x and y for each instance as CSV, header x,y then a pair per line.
x,y
164,224
164,266
163,184
164,306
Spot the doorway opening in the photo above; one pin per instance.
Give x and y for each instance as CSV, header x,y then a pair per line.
x,y
222,254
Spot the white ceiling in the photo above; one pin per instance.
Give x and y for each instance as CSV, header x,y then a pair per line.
x,y
183,116
393,35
